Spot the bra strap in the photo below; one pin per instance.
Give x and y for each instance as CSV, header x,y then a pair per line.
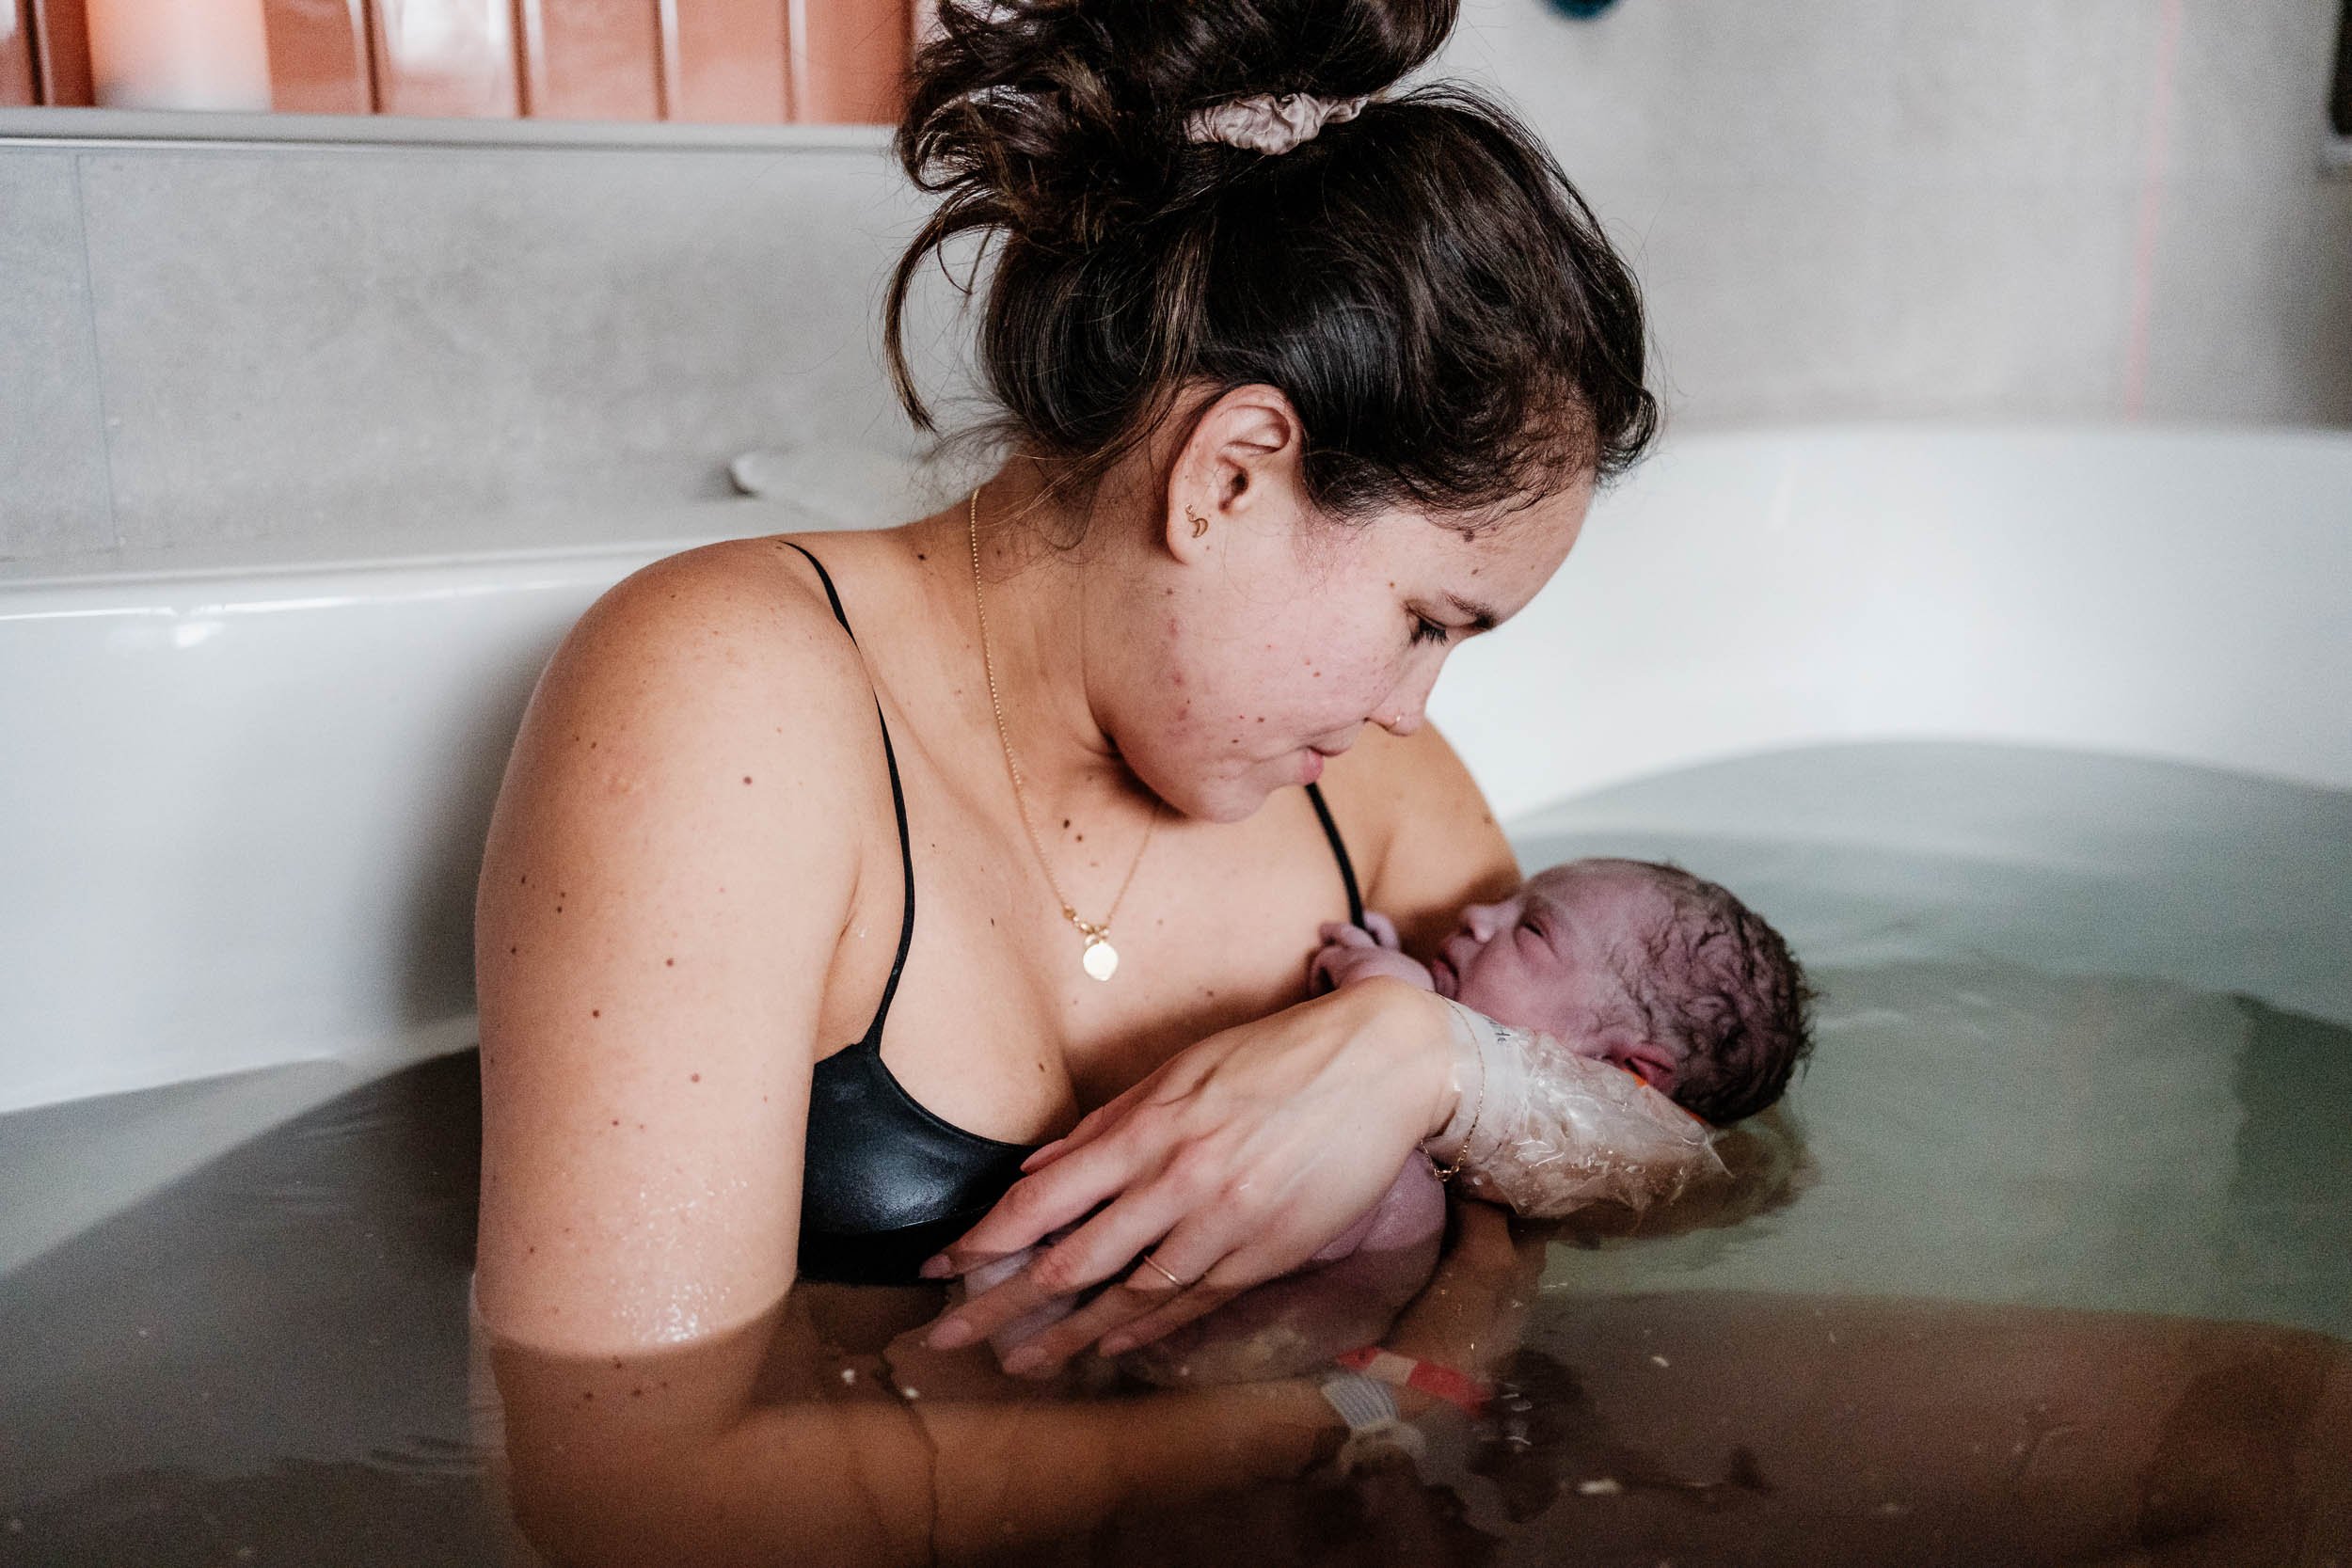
x,y
1338,851
872,1040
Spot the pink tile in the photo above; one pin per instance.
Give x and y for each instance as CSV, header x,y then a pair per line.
x,y
61,48
318,58
724,60
451,57
18,88
849,60
590,59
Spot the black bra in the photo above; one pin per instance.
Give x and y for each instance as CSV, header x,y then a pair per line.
x,y
887,1181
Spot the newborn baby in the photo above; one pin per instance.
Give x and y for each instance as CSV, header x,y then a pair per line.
x,y
1639,965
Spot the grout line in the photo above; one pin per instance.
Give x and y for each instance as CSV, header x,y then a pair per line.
x,y
97,362
2151,221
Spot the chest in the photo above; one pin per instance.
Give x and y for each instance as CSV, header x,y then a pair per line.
x,y
995,1025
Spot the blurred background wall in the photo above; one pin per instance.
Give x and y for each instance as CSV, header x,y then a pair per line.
x,y
2082,210
2001,208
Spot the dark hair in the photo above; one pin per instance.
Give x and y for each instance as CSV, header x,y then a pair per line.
x,y
1421,281
1718,983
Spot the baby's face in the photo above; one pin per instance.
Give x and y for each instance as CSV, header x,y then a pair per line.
x,y
1538,960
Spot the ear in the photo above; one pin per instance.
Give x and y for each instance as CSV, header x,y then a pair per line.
x,y
1239,465
1656,1065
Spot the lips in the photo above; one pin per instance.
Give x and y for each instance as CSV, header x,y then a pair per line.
x,y
1442,977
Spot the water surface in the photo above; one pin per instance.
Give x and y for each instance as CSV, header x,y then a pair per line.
x,y
2046,1262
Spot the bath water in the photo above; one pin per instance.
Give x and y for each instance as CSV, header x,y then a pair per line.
x,y
2049,1256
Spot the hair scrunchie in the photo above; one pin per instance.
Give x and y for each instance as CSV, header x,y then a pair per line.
x,y
1270,122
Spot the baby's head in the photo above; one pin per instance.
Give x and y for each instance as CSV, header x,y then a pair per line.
x,y
1646,966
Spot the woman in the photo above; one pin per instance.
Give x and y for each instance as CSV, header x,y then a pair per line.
x,y
1301,389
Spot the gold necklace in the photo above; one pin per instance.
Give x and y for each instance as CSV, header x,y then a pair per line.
x,y
1099,959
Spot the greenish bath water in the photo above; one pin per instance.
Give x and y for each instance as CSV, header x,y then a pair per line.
x,y
2086,1036
2052,1259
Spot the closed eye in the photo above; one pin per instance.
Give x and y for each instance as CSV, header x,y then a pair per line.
x,y
1426,630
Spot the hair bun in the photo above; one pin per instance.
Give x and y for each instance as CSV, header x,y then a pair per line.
x,y
1421,282
1068,119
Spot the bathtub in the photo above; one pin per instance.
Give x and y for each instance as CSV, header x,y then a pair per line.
x,y
240,812
2097,682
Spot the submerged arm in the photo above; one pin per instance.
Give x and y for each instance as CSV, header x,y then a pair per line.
x,y
683,1456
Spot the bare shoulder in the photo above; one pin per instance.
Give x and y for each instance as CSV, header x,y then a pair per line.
x,y
668,867
1427,840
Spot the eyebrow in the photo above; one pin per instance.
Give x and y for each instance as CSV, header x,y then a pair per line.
x,y
1482,617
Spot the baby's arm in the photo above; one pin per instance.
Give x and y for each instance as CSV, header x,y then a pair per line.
x,y
1546,1132
1538,1129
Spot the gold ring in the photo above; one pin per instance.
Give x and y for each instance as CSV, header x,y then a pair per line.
x,y
1161,1271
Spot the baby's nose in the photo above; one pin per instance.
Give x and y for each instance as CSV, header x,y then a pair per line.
x,y
1480,920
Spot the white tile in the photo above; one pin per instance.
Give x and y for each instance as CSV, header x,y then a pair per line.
x,y
2039,92
2249,100
342,343
1759,297
2001,299
2252,306
1694,89
52,448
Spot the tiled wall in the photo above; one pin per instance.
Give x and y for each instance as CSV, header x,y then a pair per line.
x,y
2073,209
378,347
2007,208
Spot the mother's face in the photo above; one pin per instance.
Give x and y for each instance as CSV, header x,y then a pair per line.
x,y
1274,637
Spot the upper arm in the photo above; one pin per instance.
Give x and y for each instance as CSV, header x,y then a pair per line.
x,y
1440,847
668,871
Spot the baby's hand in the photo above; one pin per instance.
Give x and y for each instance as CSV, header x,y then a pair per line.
x,y
1351,953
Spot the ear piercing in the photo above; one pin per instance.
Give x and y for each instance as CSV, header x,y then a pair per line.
x,y
1199,524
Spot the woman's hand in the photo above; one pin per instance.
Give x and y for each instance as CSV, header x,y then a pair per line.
x,y
1234,1162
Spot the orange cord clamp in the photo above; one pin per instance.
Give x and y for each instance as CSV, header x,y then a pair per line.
x,y
1406,1372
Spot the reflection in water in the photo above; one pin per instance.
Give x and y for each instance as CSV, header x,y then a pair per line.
x,y
1959,1306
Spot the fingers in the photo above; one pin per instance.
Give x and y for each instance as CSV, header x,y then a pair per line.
x,y
1045,1154
1144,1306
1143,1293
1103,1118
1096,1251
1166,1317
1383,930
1340,933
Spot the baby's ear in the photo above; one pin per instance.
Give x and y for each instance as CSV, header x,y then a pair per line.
x,y
1654,1064
1622,1046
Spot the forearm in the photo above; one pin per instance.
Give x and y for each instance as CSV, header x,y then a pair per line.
x,y
879,1480
994,1490
1546,1133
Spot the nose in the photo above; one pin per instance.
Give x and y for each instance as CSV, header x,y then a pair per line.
x,y
1408,703
1482,921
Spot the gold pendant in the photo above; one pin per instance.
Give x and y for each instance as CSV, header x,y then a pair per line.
x,y
1101,958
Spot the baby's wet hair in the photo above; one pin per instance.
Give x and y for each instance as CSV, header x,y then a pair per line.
x,y
1715,981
